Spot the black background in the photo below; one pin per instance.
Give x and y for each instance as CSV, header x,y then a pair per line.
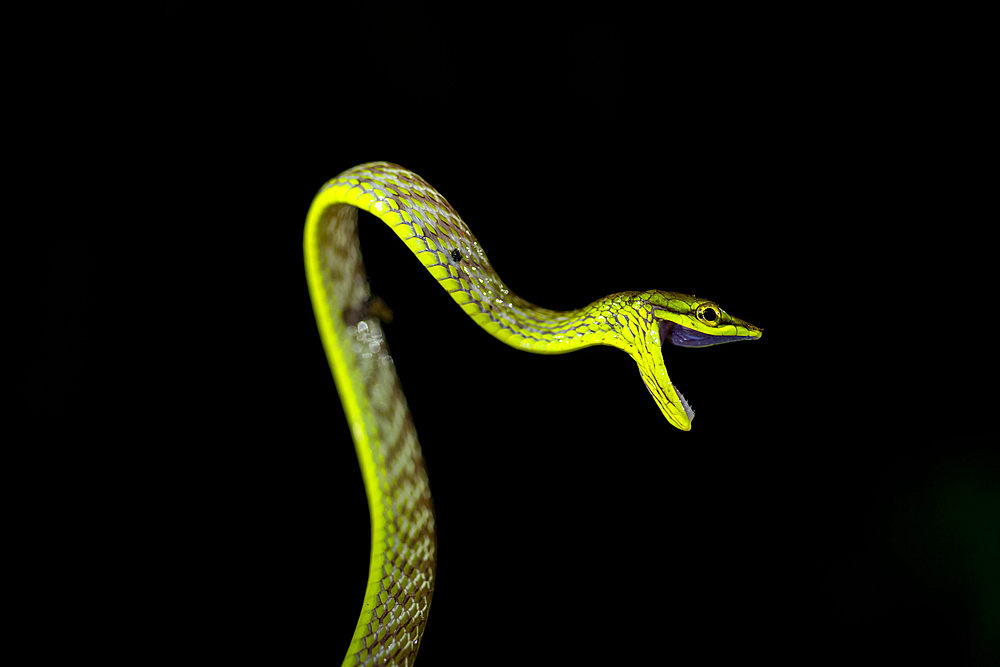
x,y
832,499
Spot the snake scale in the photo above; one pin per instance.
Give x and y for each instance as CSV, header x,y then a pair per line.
x,y
350,320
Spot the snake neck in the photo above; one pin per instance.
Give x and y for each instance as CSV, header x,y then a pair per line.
x,y
450,252
620,320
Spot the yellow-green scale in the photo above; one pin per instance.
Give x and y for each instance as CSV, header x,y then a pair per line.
x,y
403,545
442,242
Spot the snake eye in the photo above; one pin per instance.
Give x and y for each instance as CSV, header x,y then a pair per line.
x,y
708,314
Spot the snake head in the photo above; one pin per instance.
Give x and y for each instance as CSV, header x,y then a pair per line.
x,y
685,321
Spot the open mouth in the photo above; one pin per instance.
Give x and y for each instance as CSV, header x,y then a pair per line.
x,y
678,334
682,336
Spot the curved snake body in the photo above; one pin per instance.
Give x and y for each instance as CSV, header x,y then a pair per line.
x,y
403,551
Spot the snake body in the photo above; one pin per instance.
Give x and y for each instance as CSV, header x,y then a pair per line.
x,y
403,549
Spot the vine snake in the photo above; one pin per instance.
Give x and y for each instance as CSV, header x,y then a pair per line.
x,y
403,545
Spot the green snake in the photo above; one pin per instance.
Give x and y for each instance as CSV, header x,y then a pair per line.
x,y
403,543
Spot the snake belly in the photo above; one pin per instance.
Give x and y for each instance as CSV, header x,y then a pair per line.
x,y
403,540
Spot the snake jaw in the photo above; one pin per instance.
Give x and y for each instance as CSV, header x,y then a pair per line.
x,y
676,408
671,402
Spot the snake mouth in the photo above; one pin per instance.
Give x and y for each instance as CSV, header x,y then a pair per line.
x,y
665,393
683,336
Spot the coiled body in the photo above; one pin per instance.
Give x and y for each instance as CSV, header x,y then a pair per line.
x,y
403,555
